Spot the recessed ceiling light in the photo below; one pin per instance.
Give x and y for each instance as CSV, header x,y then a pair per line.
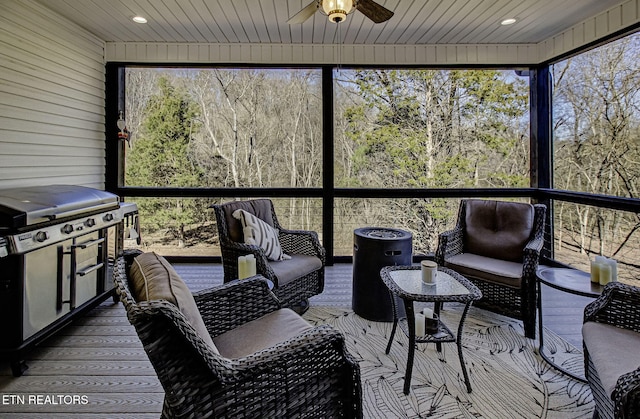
x,y
139,19
509,21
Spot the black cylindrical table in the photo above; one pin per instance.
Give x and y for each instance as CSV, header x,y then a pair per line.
x,y
373,249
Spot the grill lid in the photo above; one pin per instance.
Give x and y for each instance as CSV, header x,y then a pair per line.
x,y
21,207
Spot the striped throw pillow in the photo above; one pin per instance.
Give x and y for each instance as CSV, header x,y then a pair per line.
x,y
260,233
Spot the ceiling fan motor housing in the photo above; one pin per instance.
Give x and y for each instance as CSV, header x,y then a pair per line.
x,y
337,10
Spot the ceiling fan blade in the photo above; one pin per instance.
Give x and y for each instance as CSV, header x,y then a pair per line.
x,y
304,14
374,11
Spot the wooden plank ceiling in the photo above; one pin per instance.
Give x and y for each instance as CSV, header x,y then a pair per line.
x,y
417,22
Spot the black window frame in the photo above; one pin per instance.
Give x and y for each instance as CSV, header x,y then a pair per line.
x,y
541,168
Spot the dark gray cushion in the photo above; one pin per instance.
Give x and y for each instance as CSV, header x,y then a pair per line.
x,y
493,270
294,268
498,229
262,333
151,277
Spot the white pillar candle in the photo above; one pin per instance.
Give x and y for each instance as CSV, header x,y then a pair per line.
x,y
250,261
242,267
419,324
605,273
595,271
428,313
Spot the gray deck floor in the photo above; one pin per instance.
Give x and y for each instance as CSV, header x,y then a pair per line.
x,y
100,360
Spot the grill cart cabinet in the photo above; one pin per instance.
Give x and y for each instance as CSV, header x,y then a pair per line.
x,y
57,248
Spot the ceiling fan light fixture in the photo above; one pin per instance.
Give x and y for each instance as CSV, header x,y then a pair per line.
x,y
337,10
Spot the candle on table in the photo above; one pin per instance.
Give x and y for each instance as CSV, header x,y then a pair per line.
x,y
250,267
242,267
601,259
595,271
605,274
429,271
420,324
603,265
614,269
428,313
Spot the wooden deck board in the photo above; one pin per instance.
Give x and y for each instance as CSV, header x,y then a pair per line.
x,y
88,354
52,367
99,356
49,415
120,384
105,341
563,314
120,405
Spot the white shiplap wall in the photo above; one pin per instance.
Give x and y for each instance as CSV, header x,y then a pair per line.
x,y
51,99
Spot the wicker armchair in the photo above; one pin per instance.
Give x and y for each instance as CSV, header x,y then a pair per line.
x,y
611,337
496,245
294,280
310,374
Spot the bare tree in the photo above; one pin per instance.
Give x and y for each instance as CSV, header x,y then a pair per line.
x,y
141,85
597,144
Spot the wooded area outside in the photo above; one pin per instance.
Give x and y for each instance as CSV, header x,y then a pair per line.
x,y
393,128
262,128
596,105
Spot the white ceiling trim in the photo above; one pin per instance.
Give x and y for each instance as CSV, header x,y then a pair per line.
x,y
615,19
313,54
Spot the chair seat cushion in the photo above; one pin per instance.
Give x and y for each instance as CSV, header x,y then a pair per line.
x,y
294,268
151,277
262,333
613,350
486,268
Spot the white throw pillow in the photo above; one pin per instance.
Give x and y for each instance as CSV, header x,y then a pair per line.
x,y
259,233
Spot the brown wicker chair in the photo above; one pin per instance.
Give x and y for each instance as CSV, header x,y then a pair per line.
x,y
310,374
611,337
496,245
294,280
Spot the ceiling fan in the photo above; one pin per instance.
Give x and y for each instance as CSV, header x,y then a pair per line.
x,y
337,10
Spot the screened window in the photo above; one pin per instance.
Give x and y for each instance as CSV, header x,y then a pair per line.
x,y
596,106
431,129
224,127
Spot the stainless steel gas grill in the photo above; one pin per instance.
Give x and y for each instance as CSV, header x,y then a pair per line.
x,y
57,247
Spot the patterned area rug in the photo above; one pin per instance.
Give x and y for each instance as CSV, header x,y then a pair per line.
x,y
509,379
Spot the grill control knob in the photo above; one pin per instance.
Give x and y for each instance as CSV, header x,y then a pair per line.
x,y
41,236
108,217
67,229
90,222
